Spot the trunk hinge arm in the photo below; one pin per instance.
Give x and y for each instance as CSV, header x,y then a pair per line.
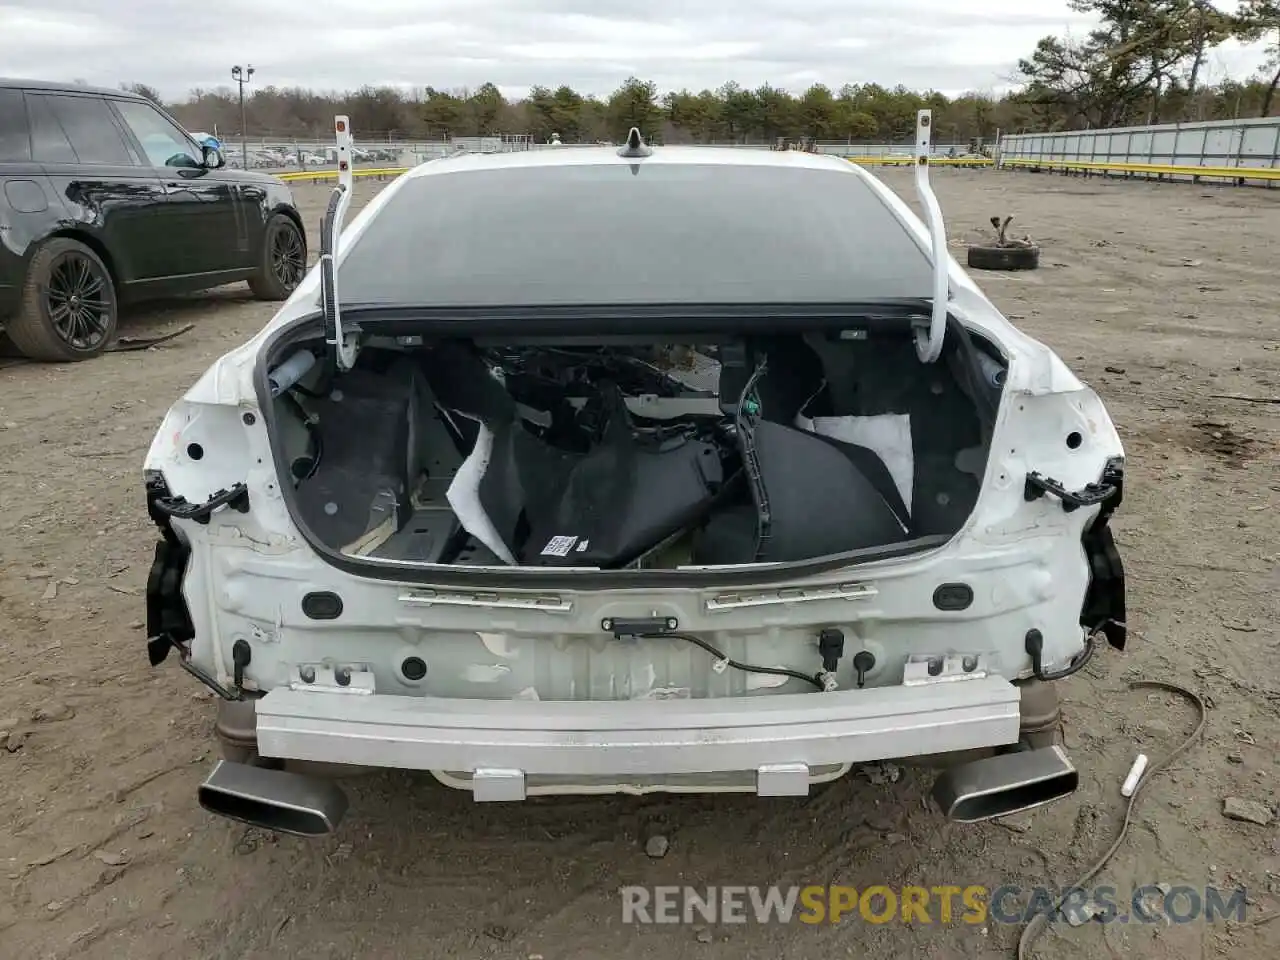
x,y
929,346
344,345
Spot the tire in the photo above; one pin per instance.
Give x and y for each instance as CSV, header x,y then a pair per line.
x,y
68,309
284,259
1004,258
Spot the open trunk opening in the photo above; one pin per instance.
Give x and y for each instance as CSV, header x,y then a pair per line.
x,y
615,452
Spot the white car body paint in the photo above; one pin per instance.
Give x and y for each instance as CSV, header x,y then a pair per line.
x,y
249,570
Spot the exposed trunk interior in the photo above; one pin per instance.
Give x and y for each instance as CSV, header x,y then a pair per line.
x,y
614,452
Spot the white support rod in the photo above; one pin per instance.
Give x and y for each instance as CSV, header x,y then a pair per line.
x,y
346,179
347,343
930,348
342,131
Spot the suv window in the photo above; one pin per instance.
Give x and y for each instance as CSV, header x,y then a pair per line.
x,y
48,141
162,141
15,136
67,129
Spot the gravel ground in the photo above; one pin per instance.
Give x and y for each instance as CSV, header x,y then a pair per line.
x,y
1162,296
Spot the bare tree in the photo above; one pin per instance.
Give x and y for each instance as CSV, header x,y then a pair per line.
x,y
1260,20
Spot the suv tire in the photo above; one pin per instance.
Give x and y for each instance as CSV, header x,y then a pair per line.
x,y
284,259
68,309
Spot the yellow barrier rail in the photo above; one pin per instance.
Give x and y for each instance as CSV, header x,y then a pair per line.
x,y
1150,169
332,174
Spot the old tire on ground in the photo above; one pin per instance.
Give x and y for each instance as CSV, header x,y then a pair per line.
x,y
283,259
1004,258
68,309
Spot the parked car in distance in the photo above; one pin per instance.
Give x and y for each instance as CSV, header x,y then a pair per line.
x,y
690,483
105,199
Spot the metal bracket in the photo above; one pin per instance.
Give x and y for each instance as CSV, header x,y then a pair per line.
x,y
158,647
342,133
788,595
1037,485
179,508
490,785
545,603
923,669
782,780
325,678
638,626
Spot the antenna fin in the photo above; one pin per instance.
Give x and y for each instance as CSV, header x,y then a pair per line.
x,y
635,145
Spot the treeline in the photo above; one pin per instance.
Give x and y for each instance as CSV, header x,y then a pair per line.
x,y
1145,63
1146,60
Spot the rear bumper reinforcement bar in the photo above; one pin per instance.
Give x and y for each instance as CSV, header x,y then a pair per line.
x,y
503,741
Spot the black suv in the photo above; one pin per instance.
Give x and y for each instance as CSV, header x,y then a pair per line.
x,y
104,198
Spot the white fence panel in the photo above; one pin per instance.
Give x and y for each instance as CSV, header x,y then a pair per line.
x,y
1251,143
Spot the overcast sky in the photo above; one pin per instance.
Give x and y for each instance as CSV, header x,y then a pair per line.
x,y
592,45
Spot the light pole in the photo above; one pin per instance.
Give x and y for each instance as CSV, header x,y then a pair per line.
x,y
242,77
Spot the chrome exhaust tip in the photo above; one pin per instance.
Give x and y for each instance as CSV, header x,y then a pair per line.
x,y
1004,784
273,799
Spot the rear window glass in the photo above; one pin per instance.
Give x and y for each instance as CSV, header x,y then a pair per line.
x,y
47,136
87,124
658,233
15,137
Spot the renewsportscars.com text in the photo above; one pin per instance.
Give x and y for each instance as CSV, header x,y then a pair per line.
x,y
974,904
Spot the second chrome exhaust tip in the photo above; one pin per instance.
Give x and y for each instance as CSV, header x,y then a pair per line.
x,y
273,799
1005,784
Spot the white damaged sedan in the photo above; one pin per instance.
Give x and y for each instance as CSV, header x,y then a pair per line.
x,y
634,469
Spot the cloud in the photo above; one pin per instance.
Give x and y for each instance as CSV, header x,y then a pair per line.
x,y
592,45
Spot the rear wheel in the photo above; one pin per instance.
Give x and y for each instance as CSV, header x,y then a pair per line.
x,y
284,260
68,310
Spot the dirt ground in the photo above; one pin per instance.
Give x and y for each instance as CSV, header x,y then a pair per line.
x,y
1161,296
